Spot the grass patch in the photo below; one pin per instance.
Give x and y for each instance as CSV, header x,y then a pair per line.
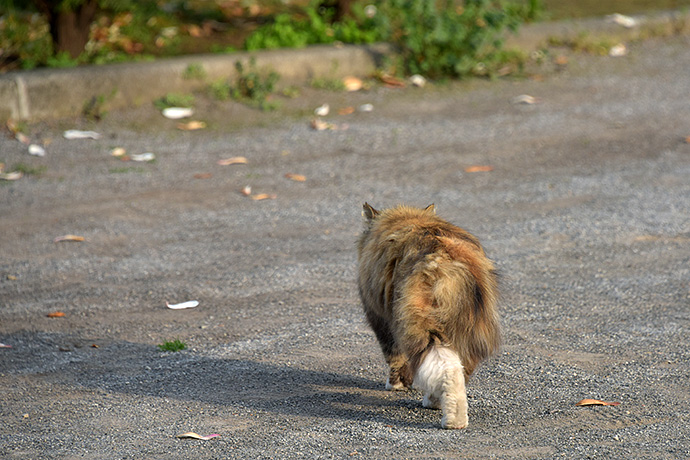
x,y
127,169
28,170
175,345
174,100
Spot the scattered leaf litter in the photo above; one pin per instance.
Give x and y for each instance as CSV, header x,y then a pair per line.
x,y
418,81
596,402
525,99
78,134
70,237
191,126
263,196
56,314
233,161
322,110
176,113
14,175
148,156
618,51
295,177
479,168
192,435
622,20
37,150
183,305
353,83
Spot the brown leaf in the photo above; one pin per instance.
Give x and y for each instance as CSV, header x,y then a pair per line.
x,y
264,196
14,175
687,140
191,126
68,238
561,60
203,175
296,177
233,161
56,314
346,111
479,168
596,402
352,83
192,435
392,82
320,125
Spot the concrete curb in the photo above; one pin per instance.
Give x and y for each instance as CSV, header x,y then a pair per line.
x,y
53,93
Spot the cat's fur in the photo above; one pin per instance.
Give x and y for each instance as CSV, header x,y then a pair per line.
x,y
430,294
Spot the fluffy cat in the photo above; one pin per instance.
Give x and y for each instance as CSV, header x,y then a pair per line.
x,y
430,294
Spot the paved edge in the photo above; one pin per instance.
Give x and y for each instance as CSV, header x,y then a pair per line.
x,y
53,93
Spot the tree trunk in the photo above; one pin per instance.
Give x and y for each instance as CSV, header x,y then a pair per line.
x,y
69,28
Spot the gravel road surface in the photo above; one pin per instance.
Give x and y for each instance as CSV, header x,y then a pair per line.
x,y
586,213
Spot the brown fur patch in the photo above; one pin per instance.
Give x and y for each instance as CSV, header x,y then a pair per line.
x,y
422,281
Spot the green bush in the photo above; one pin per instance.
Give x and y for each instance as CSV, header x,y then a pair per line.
x,y
315,27
24,38
436,38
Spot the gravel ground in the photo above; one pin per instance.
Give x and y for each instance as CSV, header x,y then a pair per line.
x,y
586,212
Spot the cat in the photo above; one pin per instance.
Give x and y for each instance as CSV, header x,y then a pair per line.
x,y
430,294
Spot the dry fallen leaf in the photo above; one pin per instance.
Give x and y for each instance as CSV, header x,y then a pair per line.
x,y
418,81
392,82
118,152
68,238
23,138
322,110
321,125
191,126
246,190
4,345
618,50
687,140
203,175
346,111
296,177
525,99
56,314
596,402
183,305
233,161
264,196
175,113
37,150
352,83
479,168
561,60
78,134
14,175
192,435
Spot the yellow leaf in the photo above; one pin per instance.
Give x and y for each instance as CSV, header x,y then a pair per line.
x,y
233,161
68,238
296,177
479,168
596,402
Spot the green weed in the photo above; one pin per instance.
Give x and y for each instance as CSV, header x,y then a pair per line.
x,y
28,170
174,100
173,346
194,72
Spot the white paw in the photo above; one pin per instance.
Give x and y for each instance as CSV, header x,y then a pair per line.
x,y
454,424
431,402
397,387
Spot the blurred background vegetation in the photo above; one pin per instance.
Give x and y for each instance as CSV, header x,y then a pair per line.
x,y
437,38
